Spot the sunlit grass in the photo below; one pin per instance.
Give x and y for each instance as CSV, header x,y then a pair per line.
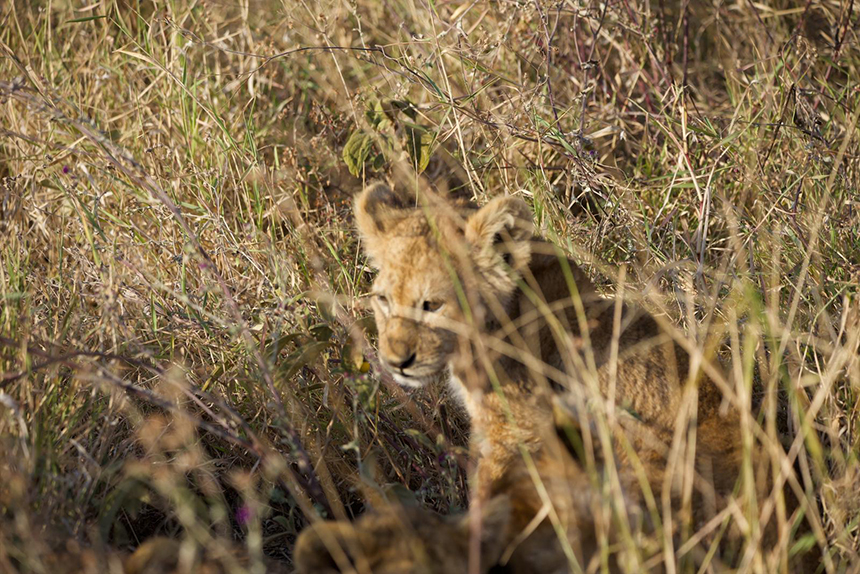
x,y
181,288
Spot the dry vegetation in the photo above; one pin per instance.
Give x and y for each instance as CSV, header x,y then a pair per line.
x,y
181,316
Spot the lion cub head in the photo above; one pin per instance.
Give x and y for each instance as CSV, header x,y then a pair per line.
x,y
439,266
403,541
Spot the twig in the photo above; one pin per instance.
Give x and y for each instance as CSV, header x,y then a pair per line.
x,y
548,50
762,164
587,65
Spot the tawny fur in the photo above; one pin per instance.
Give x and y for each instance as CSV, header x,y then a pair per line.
x,y
402,540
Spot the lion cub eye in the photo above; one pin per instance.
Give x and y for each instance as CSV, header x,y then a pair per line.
x,y
431,306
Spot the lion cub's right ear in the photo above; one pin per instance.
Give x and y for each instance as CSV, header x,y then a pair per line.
x,y
377,210
503,228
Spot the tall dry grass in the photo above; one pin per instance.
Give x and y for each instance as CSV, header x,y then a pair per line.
x,y
182,323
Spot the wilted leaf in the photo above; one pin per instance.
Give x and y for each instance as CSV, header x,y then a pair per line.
x,y
367,325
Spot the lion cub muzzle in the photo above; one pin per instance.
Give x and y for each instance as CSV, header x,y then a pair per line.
x,y
398,349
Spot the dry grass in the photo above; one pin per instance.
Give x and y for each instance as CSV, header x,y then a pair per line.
x,y
180,285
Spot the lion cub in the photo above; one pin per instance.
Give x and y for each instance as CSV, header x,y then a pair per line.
x,y
452,278
516,323
473,292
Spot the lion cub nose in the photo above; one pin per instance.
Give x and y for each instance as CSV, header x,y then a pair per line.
x,y
401,363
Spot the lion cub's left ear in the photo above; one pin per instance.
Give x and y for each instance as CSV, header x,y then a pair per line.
x,y
503,228
378,209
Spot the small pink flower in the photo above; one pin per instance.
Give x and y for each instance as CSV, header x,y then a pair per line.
x,y
243,514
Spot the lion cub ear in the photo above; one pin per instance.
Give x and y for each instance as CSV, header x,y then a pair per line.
x,y
377,210
503,226
495,517
318,544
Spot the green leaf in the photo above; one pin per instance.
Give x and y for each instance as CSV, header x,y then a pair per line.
x,y
419,142
421,437
802,545
277,495
406,107
357,150
366,389
321,332
399,494
283,523
303,356
376,117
